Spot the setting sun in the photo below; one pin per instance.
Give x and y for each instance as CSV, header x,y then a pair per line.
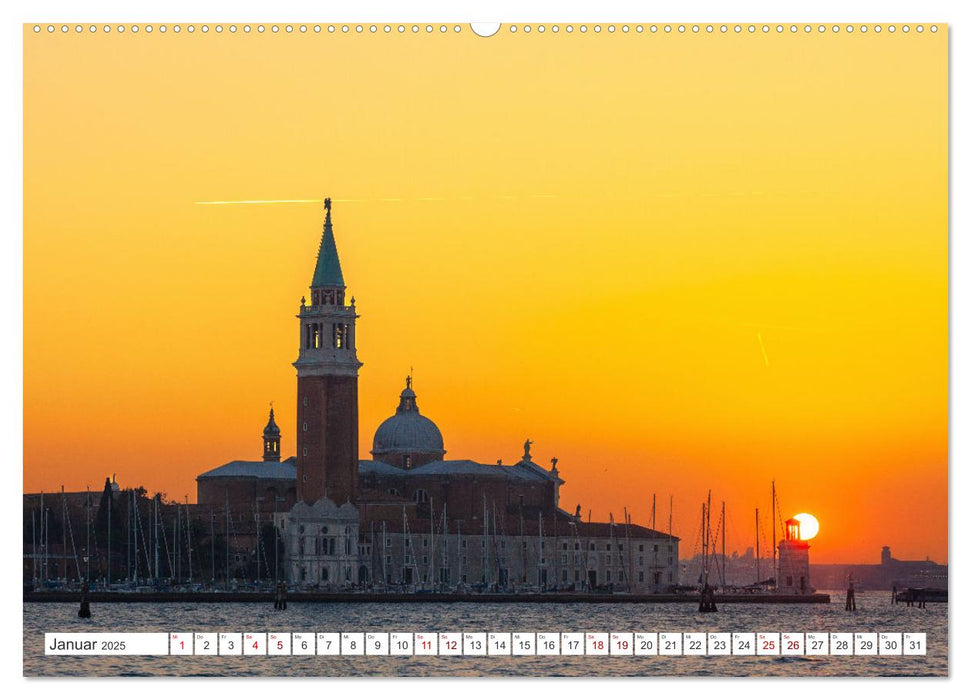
x,y
808,526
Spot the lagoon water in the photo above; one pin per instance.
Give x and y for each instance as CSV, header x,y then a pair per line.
x,y
874,614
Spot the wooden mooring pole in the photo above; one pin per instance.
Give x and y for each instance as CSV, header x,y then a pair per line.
x,y
850,596
85,610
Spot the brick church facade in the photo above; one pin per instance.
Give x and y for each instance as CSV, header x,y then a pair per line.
x,y
408,518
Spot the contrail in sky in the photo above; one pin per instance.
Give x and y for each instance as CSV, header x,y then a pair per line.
x,y
274,201
762,345
380,199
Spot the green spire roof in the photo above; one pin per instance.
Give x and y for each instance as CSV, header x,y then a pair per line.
x,y
328,271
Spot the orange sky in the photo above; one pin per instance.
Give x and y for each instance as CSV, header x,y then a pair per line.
x,y
576,239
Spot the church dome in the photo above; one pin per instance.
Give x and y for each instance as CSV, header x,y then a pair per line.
x,y
407,438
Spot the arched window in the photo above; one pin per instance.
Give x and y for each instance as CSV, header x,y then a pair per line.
x,y
421,496
340,335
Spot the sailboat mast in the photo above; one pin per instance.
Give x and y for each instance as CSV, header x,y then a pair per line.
x,y
150,562
212,544
485,540
758,571
444,542
522,549
711,548
671,518
724,527
384,550
128,543
33,543
496,544
227,540
630,552
47,542
431,529
43,541
704,548
256,520
276,544
87,536
188,541
153,531
64,522
541,557
111,502
133,519
406,542
772,517
178,542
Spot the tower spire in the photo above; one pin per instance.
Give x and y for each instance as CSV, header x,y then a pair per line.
x,y
327,274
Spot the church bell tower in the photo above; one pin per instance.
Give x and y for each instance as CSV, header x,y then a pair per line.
x,y
327,366
271,440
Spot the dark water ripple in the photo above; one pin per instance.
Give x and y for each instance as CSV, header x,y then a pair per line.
x,y
874,614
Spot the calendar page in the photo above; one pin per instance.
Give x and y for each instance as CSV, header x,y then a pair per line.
x,y
543,348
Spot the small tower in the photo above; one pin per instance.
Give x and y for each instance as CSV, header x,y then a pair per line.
x,y
885,557
793,561
271,440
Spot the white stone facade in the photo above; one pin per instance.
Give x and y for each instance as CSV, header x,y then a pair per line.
x,y
321,542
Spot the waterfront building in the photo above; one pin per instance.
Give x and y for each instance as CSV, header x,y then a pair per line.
x,y
408,517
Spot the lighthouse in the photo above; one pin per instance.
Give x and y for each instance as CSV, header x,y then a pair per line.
x,y
793,561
